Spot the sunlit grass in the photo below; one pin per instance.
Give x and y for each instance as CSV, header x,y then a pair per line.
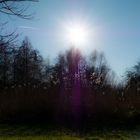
x,y
65,137
20,132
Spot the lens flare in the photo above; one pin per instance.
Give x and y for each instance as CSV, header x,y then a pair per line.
x,y
76,34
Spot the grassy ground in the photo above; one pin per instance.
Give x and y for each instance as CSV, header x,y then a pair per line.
x,y
39,132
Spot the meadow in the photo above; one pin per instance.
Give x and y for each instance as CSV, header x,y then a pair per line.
x,y
42,132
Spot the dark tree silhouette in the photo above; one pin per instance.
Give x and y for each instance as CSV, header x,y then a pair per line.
x,y
75,90
5,63
28,64
132,88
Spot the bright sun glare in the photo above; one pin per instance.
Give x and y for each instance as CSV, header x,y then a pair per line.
x,y
76,34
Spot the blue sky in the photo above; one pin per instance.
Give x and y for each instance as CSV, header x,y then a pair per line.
x,y
116,24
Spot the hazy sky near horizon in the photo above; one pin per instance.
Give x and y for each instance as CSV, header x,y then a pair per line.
x,y
115,26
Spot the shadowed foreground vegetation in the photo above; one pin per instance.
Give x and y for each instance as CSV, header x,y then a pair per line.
x,y
75,93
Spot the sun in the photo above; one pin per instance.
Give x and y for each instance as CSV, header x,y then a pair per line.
x,y
77,34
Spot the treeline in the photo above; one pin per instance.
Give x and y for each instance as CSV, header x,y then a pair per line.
x,y
74,91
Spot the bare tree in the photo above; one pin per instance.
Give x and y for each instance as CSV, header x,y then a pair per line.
x,y
28,63
16,8
5,63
